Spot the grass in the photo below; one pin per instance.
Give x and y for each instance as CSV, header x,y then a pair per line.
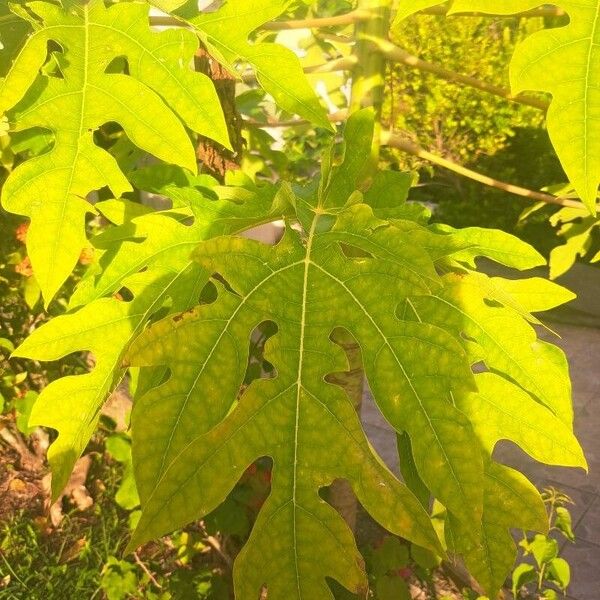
x,y
83,557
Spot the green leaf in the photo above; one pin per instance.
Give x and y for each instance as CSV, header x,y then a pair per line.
x,y
565,62
71,405
500,410
510,500
202,434
160,88
522,575
391,587
24,406
119,446
559,571
152,260
531,295
119,580
563,522
186,442
496,334
226,31
7,344
390,556
543,548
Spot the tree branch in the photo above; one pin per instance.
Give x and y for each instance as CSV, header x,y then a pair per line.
x,y
397,54
396,141
544,11
346,63
346,19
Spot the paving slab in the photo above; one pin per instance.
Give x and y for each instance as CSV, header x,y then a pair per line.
x,y
582,347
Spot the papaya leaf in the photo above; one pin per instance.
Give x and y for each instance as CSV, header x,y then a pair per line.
x,y
509,500
565,62
193,439
499,336
225,33
80,96
151,259
500,410
204,430
576,227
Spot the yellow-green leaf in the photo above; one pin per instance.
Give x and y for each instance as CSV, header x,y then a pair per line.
x,y
149,103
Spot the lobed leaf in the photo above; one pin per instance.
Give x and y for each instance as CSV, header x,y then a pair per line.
x,y
225,32
82,95
152,262
510,500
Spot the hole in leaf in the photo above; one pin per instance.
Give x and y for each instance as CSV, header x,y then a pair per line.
x,y
492,303
467,337
258,367
124,294
209,293
235,517
270,233
479,367
160,314
340,495
354,252
187,221
210,6
55,61
218,277
119,65
351,380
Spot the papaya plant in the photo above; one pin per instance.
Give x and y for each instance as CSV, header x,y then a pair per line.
x,y
175,296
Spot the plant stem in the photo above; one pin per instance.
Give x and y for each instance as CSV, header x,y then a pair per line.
x,y
547,11
396,141
368,78
400,55
349,18
346,19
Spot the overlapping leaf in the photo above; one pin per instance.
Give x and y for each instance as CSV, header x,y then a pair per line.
x,y
194,435
514,401
498,336
509,501
308,427
225,32
13,31
150,103
149,255
405,291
